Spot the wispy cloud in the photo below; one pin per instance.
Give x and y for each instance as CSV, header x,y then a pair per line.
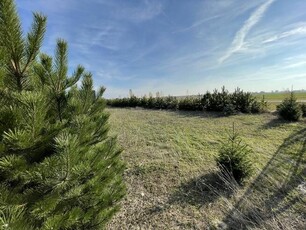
x,y
294,62
146,45
113,74
143,12
107,38
238,42
295,65
301,30
197,24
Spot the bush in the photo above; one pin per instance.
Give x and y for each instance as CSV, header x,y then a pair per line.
x,y
150,102
229,109
143,101
216,101
185,104
160,103
228,103
233,158
171,102
256,107
244,102
59,168
190,104
260,106
303,108
133,101
289,109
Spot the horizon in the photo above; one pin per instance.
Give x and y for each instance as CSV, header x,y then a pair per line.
x,y
179,47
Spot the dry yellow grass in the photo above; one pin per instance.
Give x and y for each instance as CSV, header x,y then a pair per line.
x,y
173,182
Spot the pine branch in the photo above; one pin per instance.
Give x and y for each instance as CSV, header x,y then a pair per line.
x,y
75,77
100,92
11,38
44,70
5,96
87,90
61,61
34,39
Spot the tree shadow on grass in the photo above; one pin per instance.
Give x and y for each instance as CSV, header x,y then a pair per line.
x,y
198,114
199,191
202,190
275,191
274,123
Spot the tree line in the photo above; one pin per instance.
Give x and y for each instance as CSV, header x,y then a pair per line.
x,y
219,101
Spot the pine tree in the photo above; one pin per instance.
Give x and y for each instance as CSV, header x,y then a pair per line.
x,y
59,168
290,109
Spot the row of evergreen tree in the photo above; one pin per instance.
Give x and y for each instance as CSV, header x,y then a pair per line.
x,y
219,101
59,168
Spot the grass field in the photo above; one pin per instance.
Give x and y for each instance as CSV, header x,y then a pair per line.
x,y
301,96
275,99
272,97
172,179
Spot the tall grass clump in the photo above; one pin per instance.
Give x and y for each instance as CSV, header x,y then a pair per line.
x,y
289,109
233,158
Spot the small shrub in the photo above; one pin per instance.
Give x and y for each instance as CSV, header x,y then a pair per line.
x,y
230,103
133,101
190,104
289,109
303,108
160,103
185,104
229,109
216,101
143,101
245,102
233,158
171,102
256,107
150,102
261,106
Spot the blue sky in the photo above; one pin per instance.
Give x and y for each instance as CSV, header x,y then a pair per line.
x,y
179,47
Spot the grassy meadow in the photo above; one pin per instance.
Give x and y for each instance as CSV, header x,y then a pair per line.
x,y
277,97
173,182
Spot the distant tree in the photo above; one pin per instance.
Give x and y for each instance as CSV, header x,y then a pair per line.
x,y
59,169
131,94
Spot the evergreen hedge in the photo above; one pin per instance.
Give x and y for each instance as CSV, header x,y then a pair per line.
x,y
223,101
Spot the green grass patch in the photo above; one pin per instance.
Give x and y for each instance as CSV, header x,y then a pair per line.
x,y
280,96
173,181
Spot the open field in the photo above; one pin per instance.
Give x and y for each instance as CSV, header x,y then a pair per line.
x,y
277,97
173,182
271,97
